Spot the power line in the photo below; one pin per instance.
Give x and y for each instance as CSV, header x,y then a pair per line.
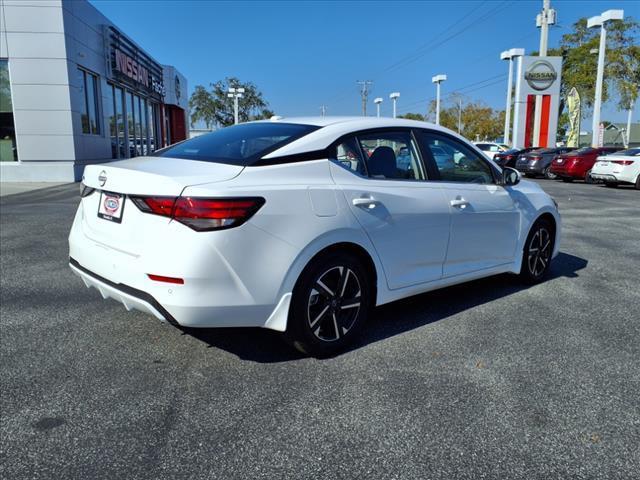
x,y
430,45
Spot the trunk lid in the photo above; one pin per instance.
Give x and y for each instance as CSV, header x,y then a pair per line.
x,y
145,176
161,176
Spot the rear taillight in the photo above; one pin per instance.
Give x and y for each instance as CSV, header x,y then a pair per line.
x,y
622,162
202,214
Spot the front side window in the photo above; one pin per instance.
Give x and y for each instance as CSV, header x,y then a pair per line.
x,y
391,155
455,161
241,145
90,110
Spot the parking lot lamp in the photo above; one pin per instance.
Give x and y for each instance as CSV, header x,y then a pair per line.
x,y
509,55
378,101
600,21
394,97
236,94
438,79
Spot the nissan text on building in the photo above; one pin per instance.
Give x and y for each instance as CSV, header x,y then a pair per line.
x,y
75,90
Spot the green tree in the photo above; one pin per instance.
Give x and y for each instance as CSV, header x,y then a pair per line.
x,y
215,108
622,62
412,116
202,107
477,120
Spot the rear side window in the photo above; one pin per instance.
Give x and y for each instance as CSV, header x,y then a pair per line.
x,y
241,145
391,155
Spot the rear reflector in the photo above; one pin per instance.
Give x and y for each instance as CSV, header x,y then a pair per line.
x,y
202,214
160,278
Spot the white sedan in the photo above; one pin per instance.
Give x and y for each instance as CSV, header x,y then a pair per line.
x,y
490,149
303,225
619,167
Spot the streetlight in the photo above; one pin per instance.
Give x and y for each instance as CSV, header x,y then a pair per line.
x,y
377,101
394,97
599,21
236,94
438,79
509,55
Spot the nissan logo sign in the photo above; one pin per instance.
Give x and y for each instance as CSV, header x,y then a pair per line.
x,y
102,178
540,75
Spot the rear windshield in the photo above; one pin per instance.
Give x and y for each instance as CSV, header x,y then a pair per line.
x,y
632,152
238,145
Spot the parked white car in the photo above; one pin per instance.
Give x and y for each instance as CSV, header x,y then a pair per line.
x,y
619,167
490,149
303,225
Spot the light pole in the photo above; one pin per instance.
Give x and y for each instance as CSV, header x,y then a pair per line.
x,y
236,94
509,55
438,79
599,21
394,97
377,101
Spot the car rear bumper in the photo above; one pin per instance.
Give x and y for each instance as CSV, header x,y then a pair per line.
x,y
533,169
605,177
224,284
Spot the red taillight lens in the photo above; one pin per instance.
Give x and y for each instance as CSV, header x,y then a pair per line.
x,y
622,162
161,278
202,214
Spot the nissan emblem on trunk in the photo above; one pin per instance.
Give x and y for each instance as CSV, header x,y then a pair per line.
x,y
102,178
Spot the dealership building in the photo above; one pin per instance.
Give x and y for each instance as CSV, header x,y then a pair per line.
x,y
76,90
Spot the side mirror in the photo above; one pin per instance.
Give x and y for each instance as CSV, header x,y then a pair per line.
x,y
510,176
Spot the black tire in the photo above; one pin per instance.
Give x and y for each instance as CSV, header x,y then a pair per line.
x,y
611,184
326,314
548,174
638,183
567,180
587,178
530,175
537,252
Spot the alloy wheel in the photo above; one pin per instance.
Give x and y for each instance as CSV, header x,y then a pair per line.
x,y
539,252
334,303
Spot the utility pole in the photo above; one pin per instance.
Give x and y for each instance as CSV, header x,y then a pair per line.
x,y
459,114
543,20
323,110
364,93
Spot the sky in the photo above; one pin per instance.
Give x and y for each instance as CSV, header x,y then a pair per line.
x,y
303,55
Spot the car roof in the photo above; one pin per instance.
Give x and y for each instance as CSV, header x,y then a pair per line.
x,y
333,128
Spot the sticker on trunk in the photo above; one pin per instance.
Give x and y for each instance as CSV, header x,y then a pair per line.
x,y
111,206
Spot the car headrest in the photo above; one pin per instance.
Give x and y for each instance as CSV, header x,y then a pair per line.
x,y
382,162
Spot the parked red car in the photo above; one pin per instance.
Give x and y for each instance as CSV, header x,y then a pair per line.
x,y
577,165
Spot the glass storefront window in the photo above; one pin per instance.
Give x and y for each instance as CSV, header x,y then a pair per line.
x,y
109,111
119,104
90,110
8,150
131,129
140,135
152,127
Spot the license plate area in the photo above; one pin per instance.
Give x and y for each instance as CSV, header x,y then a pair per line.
x,y
111,206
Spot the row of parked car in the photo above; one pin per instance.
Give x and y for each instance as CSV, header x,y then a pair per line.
x,y
609,165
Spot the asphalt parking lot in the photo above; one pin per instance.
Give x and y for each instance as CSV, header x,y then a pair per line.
x,y
483,380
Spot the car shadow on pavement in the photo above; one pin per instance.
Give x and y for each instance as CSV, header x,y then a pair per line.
x,y
265,346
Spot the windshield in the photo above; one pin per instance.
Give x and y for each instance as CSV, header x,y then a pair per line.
x,y
583,150
239,145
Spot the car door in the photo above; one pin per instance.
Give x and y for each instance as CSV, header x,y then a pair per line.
x,y
484,218
406,218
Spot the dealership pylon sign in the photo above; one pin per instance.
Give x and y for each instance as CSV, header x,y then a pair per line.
x,y
537,76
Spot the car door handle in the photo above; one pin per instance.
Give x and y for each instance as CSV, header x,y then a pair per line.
x,y
367,202
459,203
